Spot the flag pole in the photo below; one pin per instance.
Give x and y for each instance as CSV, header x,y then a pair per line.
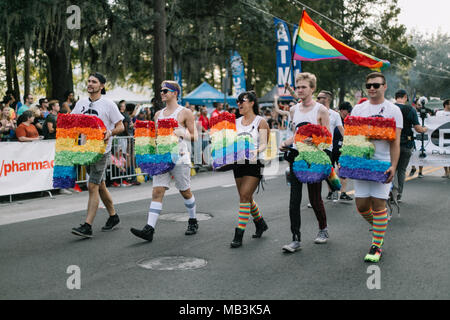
x,y
293,49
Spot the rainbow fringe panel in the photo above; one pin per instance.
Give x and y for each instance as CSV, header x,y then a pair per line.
x,y
313,44
312,164
227,147
69,153
333,181
357,151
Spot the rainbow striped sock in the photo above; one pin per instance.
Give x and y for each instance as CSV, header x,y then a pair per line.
x,y
368,216
244,214
380,222
254,211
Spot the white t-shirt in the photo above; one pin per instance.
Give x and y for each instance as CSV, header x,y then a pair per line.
x,y
386,110
103,108
443,113
335,121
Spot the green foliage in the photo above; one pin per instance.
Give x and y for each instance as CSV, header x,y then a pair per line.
x,y
116,38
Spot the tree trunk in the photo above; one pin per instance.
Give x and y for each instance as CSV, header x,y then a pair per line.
x,y
26,68
8,65
159,49
60,70
16,88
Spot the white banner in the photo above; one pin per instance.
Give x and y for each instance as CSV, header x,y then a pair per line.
x,y
436,144
26,166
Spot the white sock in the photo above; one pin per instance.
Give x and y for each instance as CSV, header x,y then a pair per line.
x,y
153,214
191,207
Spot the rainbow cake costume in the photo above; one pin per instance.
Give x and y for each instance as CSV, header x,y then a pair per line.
x,y
156,150
312,164
227,146
69,153
357,151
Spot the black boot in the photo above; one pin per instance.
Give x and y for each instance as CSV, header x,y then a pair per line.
x,y
237,241
261,226
192,227
146,233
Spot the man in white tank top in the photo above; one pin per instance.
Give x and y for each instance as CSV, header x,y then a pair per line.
x,y
315,113
181,172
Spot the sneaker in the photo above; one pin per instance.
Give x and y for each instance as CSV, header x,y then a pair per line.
x,y
335,196
125,184
322,236
413,170
292,247
329,195
85,230
374,254
115,184
77,188
64,191
420,175
399,198
111,223
309,205
345,197
146,233
192,227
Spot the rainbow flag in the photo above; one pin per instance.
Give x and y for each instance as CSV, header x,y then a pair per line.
x,y
313,44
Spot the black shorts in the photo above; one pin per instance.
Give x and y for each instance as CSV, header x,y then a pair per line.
x,y
247,169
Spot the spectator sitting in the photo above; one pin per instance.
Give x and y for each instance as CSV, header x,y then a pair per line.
x,y
8,101
26,131
50,122
7,124
68,104
38,119
43,106
28,101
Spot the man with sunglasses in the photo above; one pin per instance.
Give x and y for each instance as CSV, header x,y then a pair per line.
x,y
186,132
108,112
371,196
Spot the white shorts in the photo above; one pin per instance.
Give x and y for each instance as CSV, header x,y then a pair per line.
x,y
181,174
367,189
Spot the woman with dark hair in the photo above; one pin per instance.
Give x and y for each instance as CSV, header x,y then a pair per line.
x,y
68,103
248,175
26,131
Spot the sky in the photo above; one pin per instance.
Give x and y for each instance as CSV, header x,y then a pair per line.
x,y
425,16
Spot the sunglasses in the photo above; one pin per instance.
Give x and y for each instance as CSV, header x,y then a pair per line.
x,y
241,100
166,90
375,85
318,98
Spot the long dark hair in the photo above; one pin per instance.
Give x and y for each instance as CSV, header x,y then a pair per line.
x,y
251,96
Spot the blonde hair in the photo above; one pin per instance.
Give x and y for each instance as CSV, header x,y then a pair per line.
x,y
309,77
36,111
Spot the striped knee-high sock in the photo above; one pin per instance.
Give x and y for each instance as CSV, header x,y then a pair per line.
x,y
368,216
244,214
254,211
380,222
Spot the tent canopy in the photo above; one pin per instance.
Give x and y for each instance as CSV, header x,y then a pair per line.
x,y
268,99
205,95
129,96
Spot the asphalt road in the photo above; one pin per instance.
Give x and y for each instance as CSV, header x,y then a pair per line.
x,y
35,254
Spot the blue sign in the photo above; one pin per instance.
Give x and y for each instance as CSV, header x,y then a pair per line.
x,y
177,76
238,72
284,56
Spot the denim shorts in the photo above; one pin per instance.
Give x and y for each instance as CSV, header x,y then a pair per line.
x,y
97,170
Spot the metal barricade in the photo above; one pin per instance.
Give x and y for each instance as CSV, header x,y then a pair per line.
x,y
122,164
